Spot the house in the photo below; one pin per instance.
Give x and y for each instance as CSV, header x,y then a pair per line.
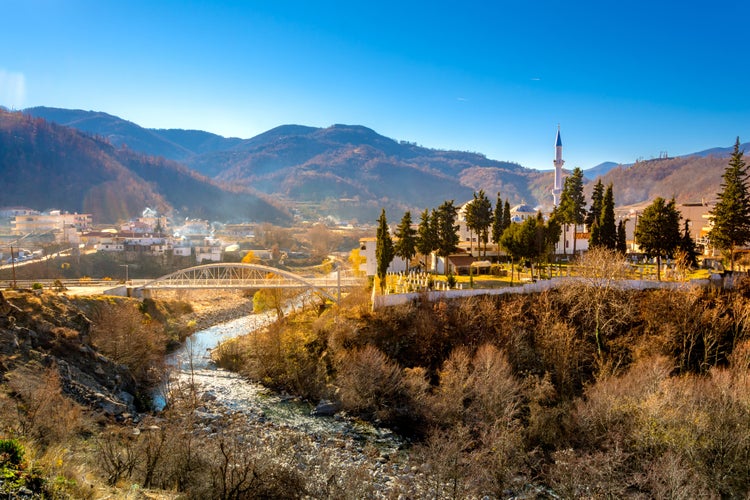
x,y
65,226
209,251
370,264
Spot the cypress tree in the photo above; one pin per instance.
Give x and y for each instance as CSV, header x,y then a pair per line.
x,y
687,246
506,216
622,242
444,219
607,227
572,202
483,214
383,249
597,197
426,239
405,246
497,221
731,215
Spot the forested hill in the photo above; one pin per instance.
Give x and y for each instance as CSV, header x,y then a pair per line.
x,y
46,166
347,171
351,171
688,179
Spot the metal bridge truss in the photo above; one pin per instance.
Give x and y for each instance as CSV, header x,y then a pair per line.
x,y
252,276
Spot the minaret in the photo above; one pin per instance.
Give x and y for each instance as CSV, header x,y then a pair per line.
x,y
558,162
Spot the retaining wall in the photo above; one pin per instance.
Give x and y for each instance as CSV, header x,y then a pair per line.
x,y
379,301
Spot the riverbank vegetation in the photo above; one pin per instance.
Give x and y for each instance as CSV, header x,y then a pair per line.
x,y
583,391
588,390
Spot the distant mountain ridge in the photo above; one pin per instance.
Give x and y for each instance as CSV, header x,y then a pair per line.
x,y
351,172
45,165
348,171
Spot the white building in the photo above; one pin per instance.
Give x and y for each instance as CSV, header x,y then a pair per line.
x,y
370,264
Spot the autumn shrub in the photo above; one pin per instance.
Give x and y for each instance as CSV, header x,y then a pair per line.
x,y
702,421
127,336
698,328
285,356
547,419
372,385
577,473
564,353
43,413
607,417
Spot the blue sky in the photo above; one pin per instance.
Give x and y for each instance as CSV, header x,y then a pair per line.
x,y
624,80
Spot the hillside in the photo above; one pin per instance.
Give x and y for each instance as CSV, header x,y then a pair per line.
x,y
347,171
48,166
688,179
173,144
350,171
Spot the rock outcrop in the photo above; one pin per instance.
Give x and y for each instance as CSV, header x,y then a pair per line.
x,y
49,331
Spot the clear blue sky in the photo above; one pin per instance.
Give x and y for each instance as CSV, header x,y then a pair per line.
x,y
625,80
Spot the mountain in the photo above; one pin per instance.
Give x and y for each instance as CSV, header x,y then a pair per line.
x,y
688,178
44,165
601,169
347,171
173,144
351,172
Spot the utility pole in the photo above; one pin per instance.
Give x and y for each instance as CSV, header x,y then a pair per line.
x,y
126,272
13,266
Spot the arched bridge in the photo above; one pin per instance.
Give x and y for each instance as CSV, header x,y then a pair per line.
x,y
252,276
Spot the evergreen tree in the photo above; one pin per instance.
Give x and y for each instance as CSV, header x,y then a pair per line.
x,y
597,197
622,242
506,215
444,219
595,235
426,238
546,235
572,202
607,226
687,246
406,245
482,217
658,231
497,221
471,218
383,249
731,215
515,241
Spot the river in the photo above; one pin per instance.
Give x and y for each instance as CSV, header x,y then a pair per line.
x,y
233,393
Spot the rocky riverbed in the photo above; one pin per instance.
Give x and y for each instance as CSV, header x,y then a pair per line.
x,y
339,450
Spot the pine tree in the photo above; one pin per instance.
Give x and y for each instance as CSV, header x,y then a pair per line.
x,y
383,249
658,231
405,246
731,215
607,226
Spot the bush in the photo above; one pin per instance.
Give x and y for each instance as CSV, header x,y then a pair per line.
x,y
371,385
11,453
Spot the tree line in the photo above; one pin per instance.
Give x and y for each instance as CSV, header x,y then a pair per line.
x,y
658,232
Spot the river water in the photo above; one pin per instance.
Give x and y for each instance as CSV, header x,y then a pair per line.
x,y
228,390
